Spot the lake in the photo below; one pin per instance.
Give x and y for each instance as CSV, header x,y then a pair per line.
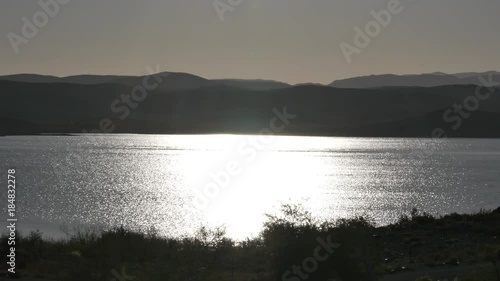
x,y
178,183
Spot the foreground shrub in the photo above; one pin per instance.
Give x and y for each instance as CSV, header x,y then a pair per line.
x,y
305,249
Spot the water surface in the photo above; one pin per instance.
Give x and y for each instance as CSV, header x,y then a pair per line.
x,y
178,183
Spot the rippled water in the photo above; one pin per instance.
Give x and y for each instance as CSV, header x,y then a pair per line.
x,y
165,181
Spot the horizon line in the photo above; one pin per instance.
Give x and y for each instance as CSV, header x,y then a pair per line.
x,y
254,79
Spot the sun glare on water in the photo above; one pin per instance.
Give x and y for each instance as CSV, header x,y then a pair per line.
x,y
235,183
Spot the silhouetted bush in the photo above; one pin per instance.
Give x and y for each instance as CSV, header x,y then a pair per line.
x,y
293,237
291,245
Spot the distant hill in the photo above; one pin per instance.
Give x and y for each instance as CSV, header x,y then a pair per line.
x,y
421,80
319,110
173,81
92,79
258,85
31,78
311,84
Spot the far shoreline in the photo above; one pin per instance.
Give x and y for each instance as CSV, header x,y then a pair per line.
x,y
76,134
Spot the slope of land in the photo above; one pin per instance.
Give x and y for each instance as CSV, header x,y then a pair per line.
x,y
33,108
416,80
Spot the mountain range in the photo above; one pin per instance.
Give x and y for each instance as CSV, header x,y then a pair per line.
x,y
405,106
173,81
416,80
186,81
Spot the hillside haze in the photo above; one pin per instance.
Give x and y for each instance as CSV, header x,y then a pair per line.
x,y
172,81
185,103
418,80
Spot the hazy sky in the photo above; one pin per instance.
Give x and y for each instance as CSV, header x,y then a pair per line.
x,y
288,40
